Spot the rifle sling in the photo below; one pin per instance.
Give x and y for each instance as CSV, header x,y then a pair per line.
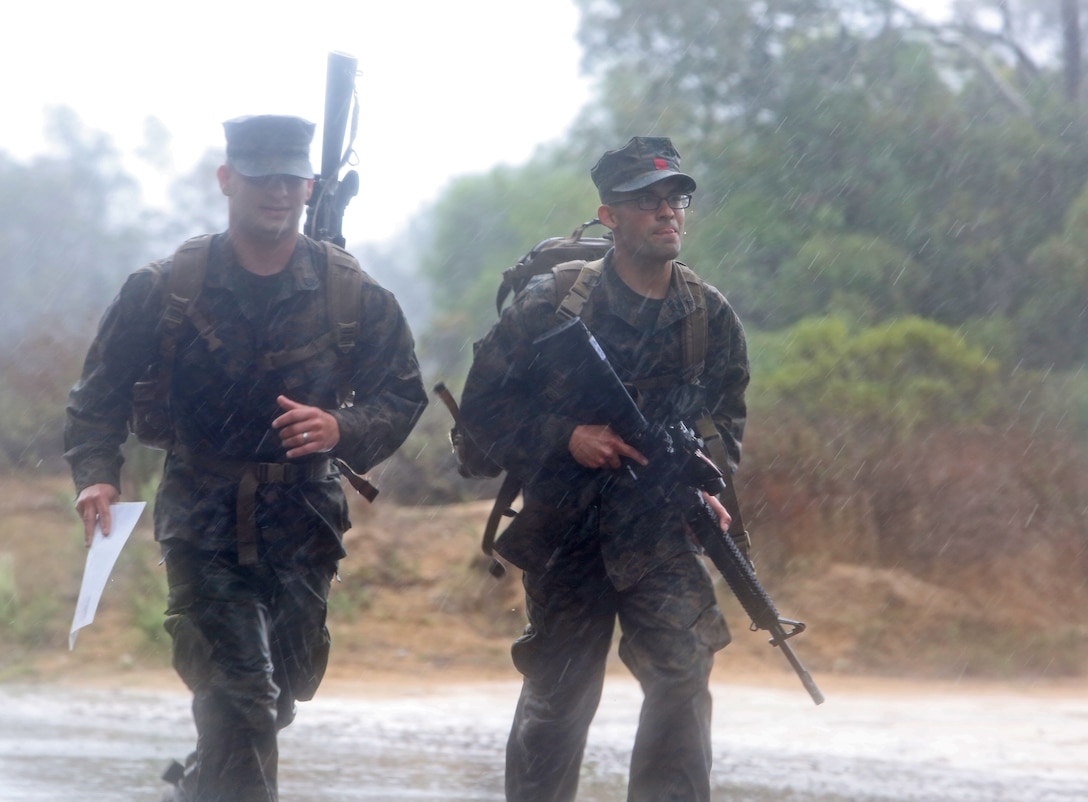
x,y
502,508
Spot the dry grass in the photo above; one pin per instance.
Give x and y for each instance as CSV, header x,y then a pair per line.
x,y
416,599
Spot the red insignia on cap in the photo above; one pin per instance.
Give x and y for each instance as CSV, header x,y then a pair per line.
x,y
660,164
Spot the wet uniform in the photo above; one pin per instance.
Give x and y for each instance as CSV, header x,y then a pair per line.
x,y
249,639
593,550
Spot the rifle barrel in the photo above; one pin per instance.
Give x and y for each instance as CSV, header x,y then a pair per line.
x,y
742,580
779,640
339,90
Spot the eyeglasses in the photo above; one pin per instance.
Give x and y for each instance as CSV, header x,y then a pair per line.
x,y
266,181
651,203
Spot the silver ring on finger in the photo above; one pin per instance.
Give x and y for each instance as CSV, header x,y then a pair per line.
x,y
305,437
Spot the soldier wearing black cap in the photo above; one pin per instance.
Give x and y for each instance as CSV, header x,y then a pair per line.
x,y
591,549
249,512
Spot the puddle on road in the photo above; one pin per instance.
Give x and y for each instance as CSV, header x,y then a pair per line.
x,y
58,744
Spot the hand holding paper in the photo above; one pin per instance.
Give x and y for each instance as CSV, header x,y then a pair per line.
x,y
101,558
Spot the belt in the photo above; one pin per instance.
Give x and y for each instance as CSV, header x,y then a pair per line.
x,y
250,475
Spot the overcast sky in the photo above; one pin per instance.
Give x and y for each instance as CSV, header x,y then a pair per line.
x,y
447,88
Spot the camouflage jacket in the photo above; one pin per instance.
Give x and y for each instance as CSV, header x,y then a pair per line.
x,y
507,414
223,402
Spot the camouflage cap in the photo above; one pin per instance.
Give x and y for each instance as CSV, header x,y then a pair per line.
x,y
644,160
269,144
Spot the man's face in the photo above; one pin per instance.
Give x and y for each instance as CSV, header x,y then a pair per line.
x,y
647,235
267,208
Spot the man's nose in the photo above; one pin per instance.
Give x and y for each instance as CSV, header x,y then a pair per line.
x,y
277,184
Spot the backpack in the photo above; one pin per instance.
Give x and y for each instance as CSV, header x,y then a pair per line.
x,y
151,419
472,462
551,252
576,263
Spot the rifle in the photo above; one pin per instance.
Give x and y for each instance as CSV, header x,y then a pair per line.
x,y
677,473
331,195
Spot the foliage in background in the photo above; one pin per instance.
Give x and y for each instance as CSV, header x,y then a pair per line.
x,y
37,373
484,224
893,379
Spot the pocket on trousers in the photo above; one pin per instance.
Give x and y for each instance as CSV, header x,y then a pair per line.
x,y
192,652
524,650
712,630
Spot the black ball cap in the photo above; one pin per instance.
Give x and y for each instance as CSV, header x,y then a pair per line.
x,y
644,160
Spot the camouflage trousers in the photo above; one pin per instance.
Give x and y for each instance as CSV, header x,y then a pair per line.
x,y
248,641
671,627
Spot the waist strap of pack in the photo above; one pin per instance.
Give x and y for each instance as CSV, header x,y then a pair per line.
x,y
250,476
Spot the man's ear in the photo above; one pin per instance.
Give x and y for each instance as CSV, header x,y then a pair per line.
x,y
309,189
223,175
607,215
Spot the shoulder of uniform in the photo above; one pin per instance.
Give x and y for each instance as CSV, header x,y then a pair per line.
x,y
338,258
713,295
689,275
155,268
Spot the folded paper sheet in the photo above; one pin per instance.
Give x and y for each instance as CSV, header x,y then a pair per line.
x,y
101,558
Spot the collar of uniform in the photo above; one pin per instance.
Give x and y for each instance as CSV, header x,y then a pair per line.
x,y
222,262
677,304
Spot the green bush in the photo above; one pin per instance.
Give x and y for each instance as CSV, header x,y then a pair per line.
x,y
897,376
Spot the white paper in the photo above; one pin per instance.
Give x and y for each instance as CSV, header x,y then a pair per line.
x,y
101,558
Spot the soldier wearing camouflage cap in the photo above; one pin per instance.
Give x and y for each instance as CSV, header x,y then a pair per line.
x,y
249,512
592,550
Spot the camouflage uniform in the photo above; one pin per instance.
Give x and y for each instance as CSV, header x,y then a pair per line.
x,y
592,548
248,639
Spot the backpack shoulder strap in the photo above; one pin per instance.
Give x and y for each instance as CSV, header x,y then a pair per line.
x,y
183,286
574,281
344,285
150,419
695,327
344,279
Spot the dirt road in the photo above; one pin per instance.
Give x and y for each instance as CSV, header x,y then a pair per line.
x,y
395,741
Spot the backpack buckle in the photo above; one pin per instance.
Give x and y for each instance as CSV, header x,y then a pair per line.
x,y
174,313
277,472
346,334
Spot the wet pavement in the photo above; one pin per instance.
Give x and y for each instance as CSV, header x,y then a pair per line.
x,y
61,743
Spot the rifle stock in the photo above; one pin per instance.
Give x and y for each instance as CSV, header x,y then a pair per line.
x,y
678,471
331,194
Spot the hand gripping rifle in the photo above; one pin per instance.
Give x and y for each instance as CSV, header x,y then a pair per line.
x,y
677,473
331,195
